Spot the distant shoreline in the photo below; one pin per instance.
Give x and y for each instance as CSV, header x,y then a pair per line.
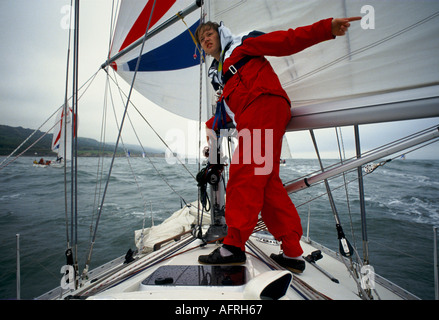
x,y
86,155
12,137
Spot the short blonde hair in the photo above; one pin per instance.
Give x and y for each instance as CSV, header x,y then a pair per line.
x,y
203,26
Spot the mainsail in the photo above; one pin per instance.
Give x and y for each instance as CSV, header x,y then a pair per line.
x,y
389,58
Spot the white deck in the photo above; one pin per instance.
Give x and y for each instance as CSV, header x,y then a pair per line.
x,y
317,284
119,281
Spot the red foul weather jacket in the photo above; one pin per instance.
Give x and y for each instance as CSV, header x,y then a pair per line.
x,y
256,87
256,77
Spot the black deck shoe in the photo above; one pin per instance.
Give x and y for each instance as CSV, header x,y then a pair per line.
x,y
215,257
294,265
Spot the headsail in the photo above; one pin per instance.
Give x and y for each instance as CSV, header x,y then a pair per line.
x,y
169,71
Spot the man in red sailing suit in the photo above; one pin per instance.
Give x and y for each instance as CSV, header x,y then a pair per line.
x,y
256,102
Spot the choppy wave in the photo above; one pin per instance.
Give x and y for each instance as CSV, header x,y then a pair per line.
x,y
402,206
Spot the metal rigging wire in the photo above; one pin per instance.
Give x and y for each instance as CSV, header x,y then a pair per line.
x,y
118,139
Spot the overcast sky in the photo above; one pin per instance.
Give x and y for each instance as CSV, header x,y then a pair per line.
x,y
33,68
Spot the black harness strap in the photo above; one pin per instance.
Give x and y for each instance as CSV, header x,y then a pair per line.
x,y
233,69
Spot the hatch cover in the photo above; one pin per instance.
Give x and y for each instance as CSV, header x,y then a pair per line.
x,y
197,275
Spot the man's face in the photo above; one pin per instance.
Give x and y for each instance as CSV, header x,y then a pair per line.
x,y
210,42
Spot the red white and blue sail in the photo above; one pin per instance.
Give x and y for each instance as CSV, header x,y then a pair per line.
x,y
169,70
62,134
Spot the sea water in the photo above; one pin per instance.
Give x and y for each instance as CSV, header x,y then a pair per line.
x,y
402,207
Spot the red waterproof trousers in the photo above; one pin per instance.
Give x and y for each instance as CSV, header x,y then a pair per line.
x,y
256,187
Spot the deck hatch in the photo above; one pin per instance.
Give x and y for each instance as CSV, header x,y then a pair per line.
x,y
197,275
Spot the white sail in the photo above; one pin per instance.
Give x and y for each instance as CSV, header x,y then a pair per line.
x,y
62,134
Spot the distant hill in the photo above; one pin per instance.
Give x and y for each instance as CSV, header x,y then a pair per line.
x,y
12,137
